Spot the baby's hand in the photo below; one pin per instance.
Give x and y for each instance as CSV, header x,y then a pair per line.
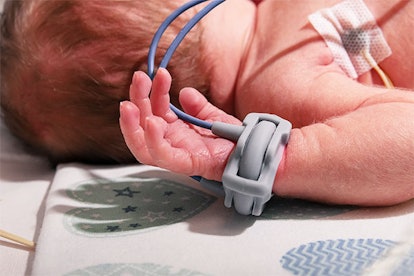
x,y
157,137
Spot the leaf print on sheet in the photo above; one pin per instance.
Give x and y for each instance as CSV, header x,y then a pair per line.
x,y
128,205
290,208
115,269
346,257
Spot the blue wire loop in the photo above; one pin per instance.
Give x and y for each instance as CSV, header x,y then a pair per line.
x,y
176,42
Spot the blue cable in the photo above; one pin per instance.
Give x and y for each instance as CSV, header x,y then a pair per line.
x,y
184,31
176,42
161,30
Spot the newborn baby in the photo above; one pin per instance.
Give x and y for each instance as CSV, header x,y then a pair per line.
x,y
66,65
352,142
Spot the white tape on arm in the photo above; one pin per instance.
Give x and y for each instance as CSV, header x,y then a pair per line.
x,y
350,30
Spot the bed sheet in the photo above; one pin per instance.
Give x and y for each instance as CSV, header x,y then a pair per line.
x,y
24,182
141,220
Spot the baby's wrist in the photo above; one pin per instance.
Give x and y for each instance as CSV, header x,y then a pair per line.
x,y
249,175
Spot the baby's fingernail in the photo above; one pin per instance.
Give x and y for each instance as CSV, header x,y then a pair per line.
x,y
124,105
121,106
135,77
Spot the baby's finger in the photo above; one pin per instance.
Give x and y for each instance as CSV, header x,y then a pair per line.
x,y
139,94
160,97
195,104
133,133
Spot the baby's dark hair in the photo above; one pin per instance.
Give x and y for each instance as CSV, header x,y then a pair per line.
x,y
66,65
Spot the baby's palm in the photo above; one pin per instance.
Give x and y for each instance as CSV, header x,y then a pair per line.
x,y
157,137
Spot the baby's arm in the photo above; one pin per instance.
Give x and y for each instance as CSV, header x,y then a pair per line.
x,y
362,157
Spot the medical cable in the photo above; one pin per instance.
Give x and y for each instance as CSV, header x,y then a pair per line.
x,y
246,182
164,25
384,77
356,41
176,42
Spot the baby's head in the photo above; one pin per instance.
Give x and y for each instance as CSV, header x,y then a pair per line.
x,y
66,65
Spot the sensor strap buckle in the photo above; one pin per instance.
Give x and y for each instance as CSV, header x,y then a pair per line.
x,y
249,174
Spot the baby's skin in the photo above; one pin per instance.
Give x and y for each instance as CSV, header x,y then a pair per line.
x,y
352,141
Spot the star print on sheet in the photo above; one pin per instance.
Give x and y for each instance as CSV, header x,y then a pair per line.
x,y
112,228
131,205
152,216
178,209
134,225
130,209
125,192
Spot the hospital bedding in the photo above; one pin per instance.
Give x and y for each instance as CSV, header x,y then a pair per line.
x,y
141,220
